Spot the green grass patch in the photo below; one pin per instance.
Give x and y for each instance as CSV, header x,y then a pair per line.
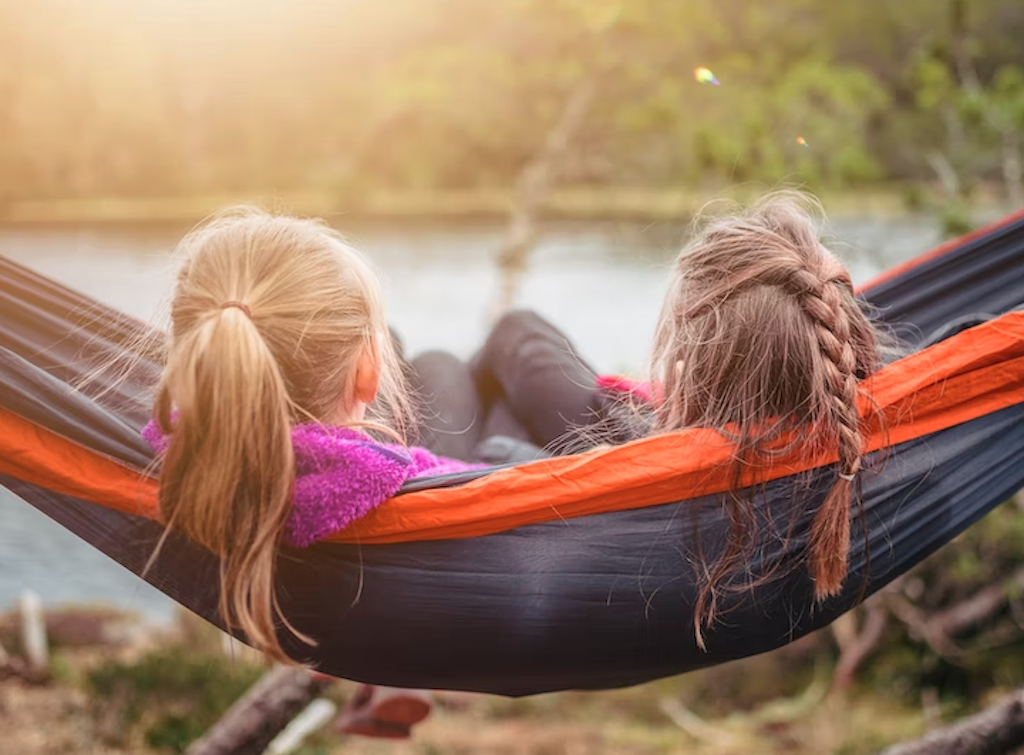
x,y
168,697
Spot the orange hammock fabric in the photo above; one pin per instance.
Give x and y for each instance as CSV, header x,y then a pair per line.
x,y
978,372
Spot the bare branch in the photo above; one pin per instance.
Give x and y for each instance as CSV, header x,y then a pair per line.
x,y
920,626
855,648
939,628
946,172
697,727
966,72
977,608
743,730
533,186
1013,169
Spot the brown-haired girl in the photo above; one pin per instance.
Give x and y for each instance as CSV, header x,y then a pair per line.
x,y
760,337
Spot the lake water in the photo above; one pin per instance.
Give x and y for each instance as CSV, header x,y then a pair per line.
x,y
601,284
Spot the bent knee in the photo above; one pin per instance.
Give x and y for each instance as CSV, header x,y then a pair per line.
x,y
519,322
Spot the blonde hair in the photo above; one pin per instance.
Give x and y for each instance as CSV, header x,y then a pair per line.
x,y
269,317
761,337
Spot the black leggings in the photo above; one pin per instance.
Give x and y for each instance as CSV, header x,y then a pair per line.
x,y
526,383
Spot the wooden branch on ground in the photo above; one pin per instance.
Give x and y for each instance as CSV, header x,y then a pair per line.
x,y
532,188
34,644
743,730
316,715
998,730
33,664
698,728
262,713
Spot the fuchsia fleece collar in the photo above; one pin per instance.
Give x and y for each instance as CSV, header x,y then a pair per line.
x,y
341,475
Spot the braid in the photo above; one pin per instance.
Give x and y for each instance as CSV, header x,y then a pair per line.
x,y
762,338
839,420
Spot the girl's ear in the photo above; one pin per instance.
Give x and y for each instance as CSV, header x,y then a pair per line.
x,y
368,371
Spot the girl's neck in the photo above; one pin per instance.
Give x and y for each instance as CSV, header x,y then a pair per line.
x,y
350,413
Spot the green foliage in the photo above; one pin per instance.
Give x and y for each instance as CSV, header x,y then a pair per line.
x,y
117,97
955,220
169,696
914,199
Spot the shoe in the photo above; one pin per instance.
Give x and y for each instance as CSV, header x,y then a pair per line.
x,y
405,707
383,712
368,726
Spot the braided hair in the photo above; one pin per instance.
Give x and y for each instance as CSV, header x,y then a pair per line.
x,y
761,338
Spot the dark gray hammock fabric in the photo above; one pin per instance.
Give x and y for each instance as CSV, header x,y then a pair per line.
x,y
594,602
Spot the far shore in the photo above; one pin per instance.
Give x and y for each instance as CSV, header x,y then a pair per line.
x,y
471,205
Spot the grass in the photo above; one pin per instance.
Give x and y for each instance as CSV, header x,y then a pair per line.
x,y
156,700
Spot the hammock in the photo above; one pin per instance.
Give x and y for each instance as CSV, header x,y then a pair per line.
x,y
567,573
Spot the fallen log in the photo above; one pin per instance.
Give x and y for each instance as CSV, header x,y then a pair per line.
x,y
262,713
998,730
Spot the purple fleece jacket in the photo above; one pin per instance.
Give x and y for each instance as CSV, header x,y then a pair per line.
x,y
341,475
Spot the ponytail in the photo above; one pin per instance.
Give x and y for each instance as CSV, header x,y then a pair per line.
x,y
229,467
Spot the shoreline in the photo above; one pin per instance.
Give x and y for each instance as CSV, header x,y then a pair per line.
x,y
584,204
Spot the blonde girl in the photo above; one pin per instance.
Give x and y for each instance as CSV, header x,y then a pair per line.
x,y
281,381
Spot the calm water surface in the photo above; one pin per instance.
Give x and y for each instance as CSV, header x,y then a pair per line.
x,y
601,285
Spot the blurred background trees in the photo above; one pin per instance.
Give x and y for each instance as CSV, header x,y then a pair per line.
x,y
173,97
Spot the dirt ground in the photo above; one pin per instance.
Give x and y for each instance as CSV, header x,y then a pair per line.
x,y
59,718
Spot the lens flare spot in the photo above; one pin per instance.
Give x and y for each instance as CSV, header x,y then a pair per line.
x,y
704,76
